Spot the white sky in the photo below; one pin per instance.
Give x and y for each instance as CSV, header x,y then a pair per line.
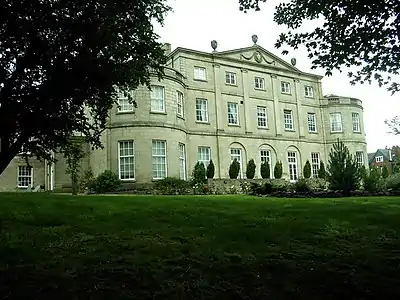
x,y
193,24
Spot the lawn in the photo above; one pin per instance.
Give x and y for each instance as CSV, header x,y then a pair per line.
x,y
188,247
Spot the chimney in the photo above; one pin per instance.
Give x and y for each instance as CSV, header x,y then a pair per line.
x,y
167,48
390,154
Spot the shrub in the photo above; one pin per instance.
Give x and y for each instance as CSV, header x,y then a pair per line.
x,y
372,181
301,186
321,170
86,180
265,170
307,170
251,169
281,185
210,170
199,173
393,182
278,170
385,172
106,182
172,186
316,184
343,171
234,169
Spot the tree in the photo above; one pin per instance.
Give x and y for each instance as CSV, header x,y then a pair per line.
x,y
210,170
234,169
60,62
251,169
321,171
199,173
73,152
356,34
278,170
385,172
307,170
265,170
343,171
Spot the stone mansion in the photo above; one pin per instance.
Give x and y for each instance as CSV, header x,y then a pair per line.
x,y
245,103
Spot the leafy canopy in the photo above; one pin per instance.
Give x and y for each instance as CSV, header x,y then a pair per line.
x,y
357,34
59,64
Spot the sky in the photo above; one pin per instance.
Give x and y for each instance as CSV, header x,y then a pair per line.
x,y
194,23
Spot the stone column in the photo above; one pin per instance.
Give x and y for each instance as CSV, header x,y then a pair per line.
x,y
246,103
300,115
278,114
218,115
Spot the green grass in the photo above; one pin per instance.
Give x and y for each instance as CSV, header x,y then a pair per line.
x,y
188,247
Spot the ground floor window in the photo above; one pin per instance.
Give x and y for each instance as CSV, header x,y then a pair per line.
x,y
25,177
266,157
182,161
237,153
360,158
204,155
315,164
159,157
126,160
292,162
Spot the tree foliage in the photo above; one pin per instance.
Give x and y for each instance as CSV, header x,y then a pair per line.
x,y
385,172
210,169
307,169
73,152
265,170
322,171
278,170
343,171
60,62
199,173
362,35
234,169
251,169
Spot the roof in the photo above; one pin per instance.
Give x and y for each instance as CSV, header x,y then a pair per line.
x,y
380,152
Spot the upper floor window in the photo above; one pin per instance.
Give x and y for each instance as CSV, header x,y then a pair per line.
x,y
201,110
309,91
285,87
126,160
262,121
288,119
125,101
200,73
233,117
157,98
259,83
312,124
230,78
355,117
379,159
336,122
179,104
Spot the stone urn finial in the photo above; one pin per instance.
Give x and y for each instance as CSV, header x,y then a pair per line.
x,y
293,61
254,38
214,45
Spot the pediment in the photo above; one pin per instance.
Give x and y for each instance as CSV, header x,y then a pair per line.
x,y
258,55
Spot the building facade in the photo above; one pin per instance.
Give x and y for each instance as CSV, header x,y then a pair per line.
x,y
245,104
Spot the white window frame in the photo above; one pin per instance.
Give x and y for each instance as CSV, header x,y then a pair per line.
x,y
285,87
201,110
308,91
155,173
312,122
288,119
123,102
182,161
233,113
360,158
180,110
204,155
265,155
131,173
262,117
200,73
315,164
379,159
21,175
355,118
336,122
230,78
292,165
157,104
259,83
237,153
